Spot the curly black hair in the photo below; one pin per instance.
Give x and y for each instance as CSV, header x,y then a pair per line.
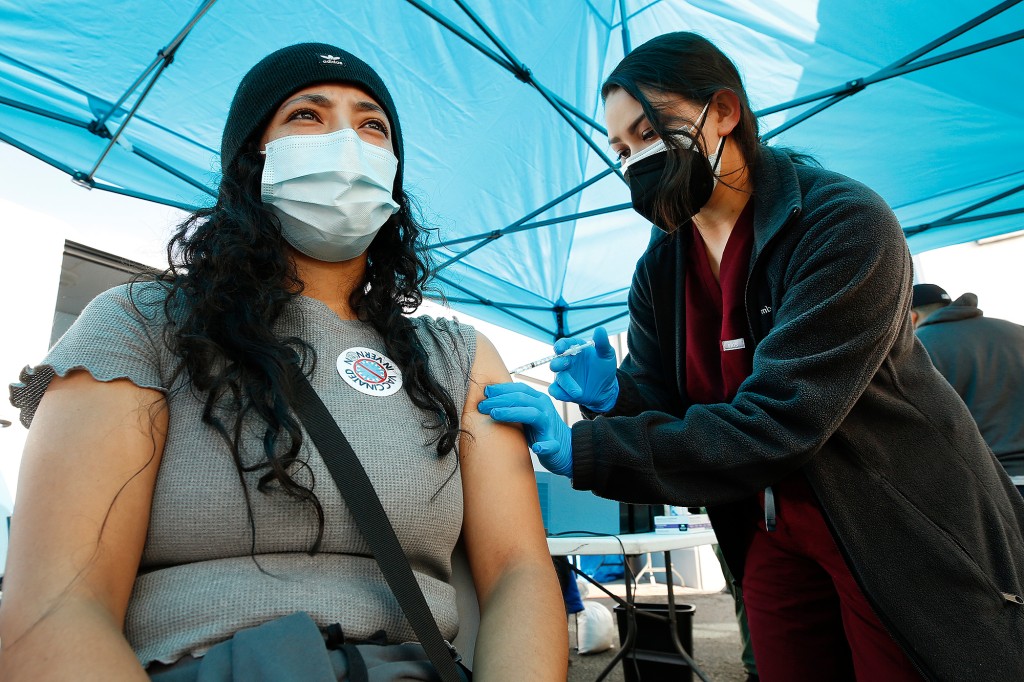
x,y
231,276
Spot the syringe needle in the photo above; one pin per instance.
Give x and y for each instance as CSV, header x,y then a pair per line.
x,y
537,363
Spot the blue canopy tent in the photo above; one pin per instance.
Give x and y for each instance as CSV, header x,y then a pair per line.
x,y
499,103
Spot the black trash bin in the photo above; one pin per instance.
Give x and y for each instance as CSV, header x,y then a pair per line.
x,y
654,658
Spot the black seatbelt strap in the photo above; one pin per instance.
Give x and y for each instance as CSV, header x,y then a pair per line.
x,y
371,519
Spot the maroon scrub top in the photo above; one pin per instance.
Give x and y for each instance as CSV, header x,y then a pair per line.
x,y
719,349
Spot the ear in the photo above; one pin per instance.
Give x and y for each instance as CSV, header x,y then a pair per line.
x,y
913,318
726,104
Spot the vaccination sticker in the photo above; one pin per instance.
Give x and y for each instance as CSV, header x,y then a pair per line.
x,y
369,372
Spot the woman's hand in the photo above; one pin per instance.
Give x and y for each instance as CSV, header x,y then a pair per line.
x,y
549,437
587,378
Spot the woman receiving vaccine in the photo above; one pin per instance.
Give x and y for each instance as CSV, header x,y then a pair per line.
x,y
773,376
173,514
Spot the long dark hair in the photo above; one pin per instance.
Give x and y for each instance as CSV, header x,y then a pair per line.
x,y
230,277
689,66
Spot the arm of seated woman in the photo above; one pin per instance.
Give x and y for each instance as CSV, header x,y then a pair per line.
x,y
523,633
84,493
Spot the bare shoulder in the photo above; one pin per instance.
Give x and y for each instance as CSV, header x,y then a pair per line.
x,y
485,433
488,367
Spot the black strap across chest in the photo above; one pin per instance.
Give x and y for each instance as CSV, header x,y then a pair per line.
x,y
371,519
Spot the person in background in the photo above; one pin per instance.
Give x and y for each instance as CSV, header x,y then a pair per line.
x,y
774,378
982,358
172,511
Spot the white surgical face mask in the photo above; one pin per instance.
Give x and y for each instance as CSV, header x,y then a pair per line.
x,y
332,192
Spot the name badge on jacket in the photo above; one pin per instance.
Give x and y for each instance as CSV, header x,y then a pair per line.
x,y
734,344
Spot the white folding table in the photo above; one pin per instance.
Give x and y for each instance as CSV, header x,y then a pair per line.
x,y
630,545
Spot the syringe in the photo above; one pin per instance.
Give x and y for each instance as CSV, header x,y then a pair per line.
x,y
537,363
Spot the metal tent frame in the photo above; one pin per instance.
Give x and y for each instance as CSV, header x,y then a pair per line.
x,y
908,64
584,126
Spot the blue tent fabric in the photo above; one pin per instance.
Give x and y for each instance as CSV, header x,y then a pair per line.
x,y
499,101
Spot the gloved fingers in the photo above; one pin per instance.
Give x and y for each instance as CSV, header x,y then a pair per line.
x,y
520,414
601,345
565,344
546,448
558,393
562,364
566,388
510,387
607,397
538,402
534,406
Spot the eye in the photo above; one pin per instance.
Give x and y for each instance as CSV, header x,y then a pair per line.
x,y
622,153
303,115
377,125
648,135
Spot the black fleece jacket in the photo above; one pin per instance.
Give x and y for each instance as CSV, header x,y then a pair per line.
x,y
842,392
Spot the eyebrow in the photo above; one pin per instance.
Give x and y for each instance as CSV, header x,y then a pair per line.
x,y
323,101
366,105
313,98
630,130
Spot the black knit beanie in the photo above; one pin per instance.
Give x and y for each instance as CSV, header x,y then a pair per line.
x,y
293,68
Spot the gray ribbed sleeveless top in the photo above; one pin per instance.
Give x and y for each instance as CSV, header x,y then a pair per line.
x,y
198,583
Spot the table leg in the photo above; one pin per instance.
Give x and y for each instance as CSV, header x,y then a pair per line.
x,y
672,618
630,610
648,567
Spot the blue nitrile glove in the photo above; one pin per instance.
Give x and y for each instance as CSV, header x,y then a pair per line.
x,y
550,437
587,378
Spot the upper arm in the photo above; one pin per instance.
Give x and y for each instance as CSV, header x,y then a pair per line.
x,y
845,301
84,492
845,296
502,523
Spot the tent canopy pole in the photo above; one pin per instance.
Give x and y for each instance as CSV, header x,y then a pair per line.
x,y
494,234
492,304
626,49
163,59
920,52
961,216
898,68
